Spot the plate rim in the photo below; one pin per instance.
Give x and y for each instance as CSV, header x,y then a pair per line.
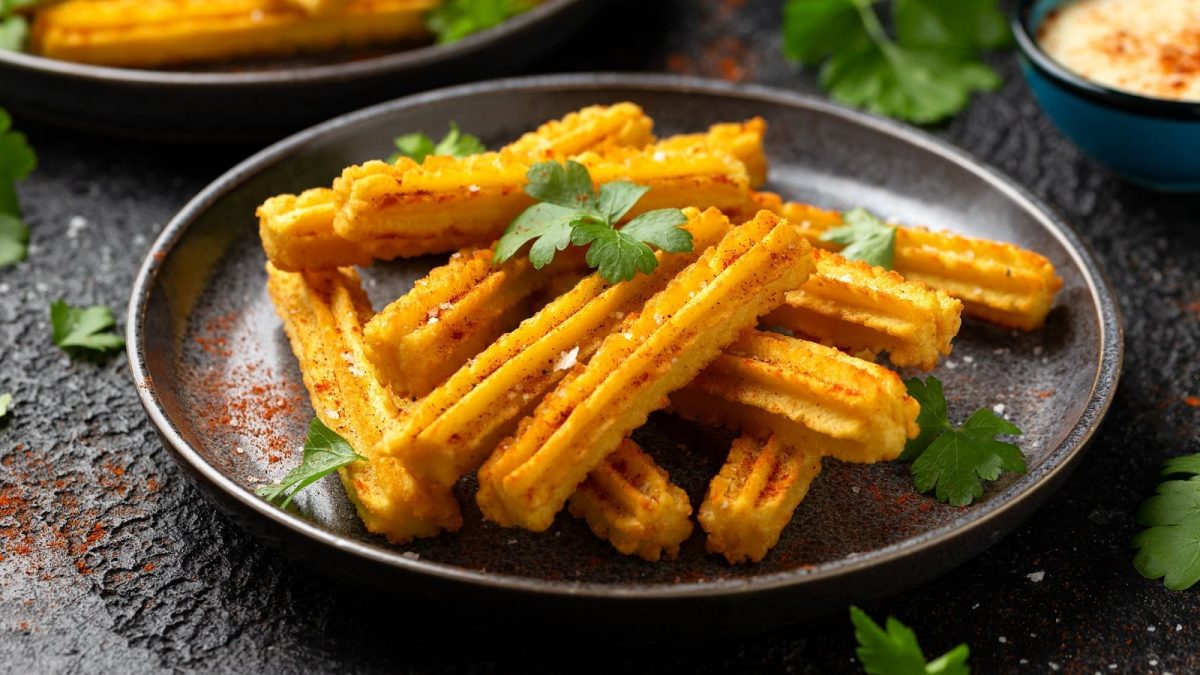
x,y
391,63
1030,486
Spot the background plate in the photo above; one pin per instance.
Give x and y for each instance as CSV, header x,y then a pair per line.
x,y
249,101
217,378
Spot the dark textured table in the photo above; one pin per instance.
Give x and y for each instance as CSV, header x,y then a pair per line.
x,y
110,561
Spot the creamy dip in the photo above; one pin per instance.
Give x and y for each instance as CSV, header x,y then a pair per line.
x,y
1147,47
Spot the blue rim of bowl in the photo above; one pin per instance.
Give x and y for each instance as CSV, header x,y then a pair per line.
x,y
403,59
994,512
1028,45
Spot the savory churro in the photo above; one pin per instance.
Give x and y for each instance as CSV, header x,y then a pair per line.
x,y
680,330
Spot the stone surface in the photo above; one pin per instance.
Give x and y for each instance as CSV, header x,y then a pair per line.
x,y
110,561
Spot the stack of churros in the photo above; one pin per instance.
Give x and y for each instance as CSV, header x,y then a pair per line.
x,y
535,379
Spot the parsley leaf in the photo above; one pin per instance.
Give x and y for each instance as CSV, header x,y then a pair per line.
x,y
6,400
14,29
454,20
324,452
866,238
418,146
1169,547
570,211
927,76
963,26
17,161
14,236
84,328
954,461
895,651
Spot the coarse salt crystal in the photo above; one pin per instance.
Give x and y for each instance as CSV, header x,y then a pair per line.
x,y
1036,577
411,555
567,359
999,408
473,188
432,320
660,156
332,414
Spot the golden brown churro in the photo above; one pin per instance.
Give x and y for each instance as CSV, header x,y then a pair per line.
x,y
298,233
857,307
810,395
630,501
451,431
681,329
151,33
323,314
995,281
754,496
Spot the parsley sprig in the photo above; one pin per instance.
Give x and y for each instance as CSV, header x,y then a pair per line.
x,y
454,20
571,211
17,161
866,238
954,461
84,329
14,29
926,74
1169,547
324,452
895,651
418,146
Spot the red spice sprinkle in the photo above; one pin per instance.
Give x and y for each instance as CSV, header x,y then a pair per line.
x,y
1193,401
149,567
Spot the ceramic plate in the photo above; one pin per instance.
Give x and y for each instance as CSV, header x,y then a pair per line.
x,y
256,99
217,378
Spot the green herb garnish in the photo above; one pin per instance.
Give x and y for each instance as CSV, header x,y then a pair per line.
x,y
80,328
1169,547
6,400
454,20
14,29
927,74
17,161
954,461
418,146
324,452
570,211
866,238
895,651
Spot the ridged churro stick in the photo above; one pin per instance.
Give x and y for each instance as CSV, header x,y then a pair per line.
x,y
151,33
743,140
297,231
450,315
322,314
630,501
596,128
854,306
451,431
810,395
448,203
754,496
995,281
678,332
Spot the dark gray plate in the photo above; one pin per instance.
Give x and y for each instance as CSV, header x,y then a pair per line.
x,y
218,380
269,98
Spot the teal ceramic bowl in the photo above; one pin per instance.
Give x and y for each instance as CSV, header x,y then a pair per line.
x,y
1149,141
